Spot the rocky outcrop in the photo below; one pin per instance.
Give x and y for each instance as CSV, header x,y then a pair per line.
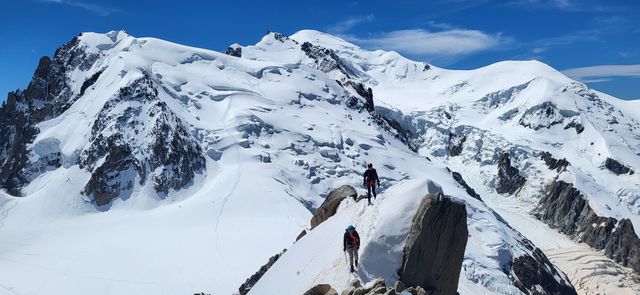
x,y
234,50
541,116
458,178
509,178
455,144
253,279
378,286
331,203
535,274
140,139
553,163
326,60
566,209
617,168
321,289
47,96
434,249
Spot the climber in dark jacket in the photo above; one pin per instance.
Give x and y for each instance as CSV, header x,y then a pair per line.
x,y
370,181
351,244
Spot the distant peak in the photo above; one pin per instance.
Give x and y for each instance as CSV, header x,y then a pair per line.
x,y
103,40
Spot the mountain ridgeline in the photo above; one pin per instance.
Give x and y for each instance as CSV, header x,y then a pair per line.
x,y
113,123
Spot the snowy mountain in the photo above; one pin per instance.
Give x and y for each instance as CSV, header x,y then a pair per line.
x,y
139,165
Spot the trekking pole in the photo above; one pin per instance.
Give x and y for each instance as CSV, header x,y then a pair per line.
x,y
346,261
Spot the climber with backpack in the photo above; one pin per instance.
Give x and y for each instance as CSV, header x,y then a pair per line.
x,y
370,181
351,244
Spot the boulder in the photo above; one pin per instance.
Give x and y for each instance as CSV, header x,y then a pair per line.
x,y
321,289
435,247
331,203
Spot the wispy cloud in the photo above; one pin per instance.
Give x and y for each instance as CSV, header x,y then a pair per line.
x,y
91,7
566,5
603,73
445,45
347,24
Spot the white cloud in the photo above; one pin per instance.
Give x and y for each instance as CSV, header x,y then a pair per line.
x,y
603,73
349,23
91,7
447,44
567,5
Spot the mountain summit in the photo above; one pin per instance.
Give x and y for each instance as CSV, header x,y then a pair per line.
x,y
139,165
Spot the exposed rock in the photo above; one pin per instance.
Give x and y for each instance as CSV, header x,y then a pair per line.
x,y
47,96
234,50
616,167
302,234
543,115
456,142
355,283
326,60
252,280
321,289
575,125
165,153
458,178
566,209
399,286
509,178
420,291
434,249
331,203
536,272
553,163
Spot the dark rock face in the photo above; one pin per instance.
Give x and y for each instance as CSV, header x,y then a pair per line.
x,y
234,51
253,279
536,270
541,116
458,178
301,234
575,125
564,208
331,203
456,142
435,247
617,168
146,140
553,163
326,59
509,178
47,96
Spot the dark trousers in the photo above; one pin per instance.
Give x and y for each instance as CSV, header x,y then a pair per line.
x,y
371,187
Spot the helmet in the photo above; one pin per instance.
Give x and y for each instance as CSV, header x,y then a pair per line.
x,y
370,165
350,228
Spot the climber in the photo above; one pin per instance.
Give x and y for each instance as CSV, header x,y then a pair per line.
x,y
370,181
351,244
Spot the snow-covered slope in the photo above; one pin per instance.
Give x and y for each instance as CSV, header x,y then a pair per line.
x,y
147,166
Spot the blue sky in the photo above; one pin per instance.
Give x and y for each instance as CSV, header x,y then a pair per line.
x,y
594,41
